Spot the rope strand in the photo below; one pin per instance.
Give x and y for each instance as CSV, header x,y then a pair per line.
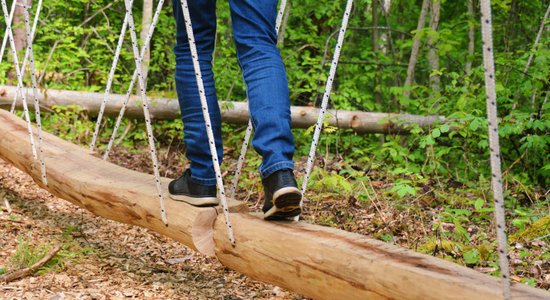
x,y
206,115
326,96
8,22
30,55
25,59
109,82
19,79
496,178
134,77
139,61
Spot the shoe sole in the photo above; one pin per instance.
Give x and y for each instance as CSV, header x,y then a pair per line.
x,y
206,201
286,204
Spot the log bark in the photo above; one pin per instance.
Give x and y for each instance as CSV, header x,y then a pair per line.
x,y
232,112
316,261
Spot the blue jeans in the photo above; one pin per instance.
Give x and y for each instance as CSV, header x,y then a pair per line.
x,y
263,72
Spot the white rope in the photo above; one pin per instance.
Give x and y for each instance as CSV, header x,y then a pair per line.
x,y
326,96
25,59
109,82
139,61
488,62
206,115
9,33
134,77
5,39
30,55
248,133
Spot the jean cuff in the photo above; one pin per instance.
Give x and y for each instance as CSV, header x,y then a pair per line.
x,y
265,172
203,181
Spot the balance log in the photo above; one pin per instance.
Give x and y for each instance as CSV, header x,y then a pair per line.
x,y
312,260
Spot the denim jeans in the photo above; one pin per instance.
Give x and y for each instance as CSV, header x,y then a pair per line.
x,y
263,72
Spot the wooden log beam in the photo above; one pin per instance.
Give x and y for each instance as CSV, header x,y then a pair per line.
x,y
232,112
316,261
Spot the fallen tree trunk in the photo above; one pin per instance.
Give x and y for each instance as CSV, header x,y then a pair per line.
x,y
315,261
232,112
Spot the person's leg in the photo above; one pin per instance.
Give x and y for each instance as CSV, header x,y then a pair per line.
x,y
197,185
266,81
268,98
203,19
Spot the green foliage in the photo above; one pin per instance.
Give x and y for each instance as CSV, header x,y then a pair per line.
x,y
26,254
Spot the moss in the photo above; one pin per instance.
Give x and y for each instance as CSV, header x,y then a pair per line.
x,y
536,230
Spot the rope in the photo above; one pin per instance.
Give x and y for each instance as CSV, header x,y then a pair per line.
x,y
5,39
248,133
206,115
30,54
109,82
9,33
496,182
324,104
24,66
134,77
139,61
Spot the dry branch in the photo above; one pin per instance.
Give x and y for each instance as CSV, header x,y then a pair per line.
x,y
232,112
316,261
27,271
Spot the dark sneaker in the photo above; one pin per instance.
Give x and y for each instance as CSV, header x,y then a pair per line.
x,y
183,189
282,196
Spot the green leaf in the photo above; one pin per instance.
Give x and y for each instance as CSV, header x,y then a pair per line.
x,y
478,204
471,257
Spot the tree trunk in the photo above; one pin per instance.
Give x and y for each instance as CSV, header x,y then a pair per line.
x,y
19,32
232,112
284,22
433,54
415,48
147,19
471,36
315,261
375,48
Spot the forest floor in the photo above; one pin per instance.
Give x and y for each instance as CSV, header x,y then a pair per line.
x,y
102,259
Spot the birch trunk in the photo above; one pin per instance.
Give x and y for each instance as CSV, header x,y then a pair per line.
x,y
433,54
471,37
416,47
147,19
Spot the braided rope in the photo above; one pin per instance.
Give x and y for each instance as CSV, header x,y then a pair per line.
x,y
496,182
30,54
139,61
5,39
248,133
109,82
206,115
25,59
326,96
134,77
20,85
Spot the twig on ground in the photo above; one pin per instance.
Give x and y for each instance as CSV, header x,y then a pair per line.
x,y
6,202
26,271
